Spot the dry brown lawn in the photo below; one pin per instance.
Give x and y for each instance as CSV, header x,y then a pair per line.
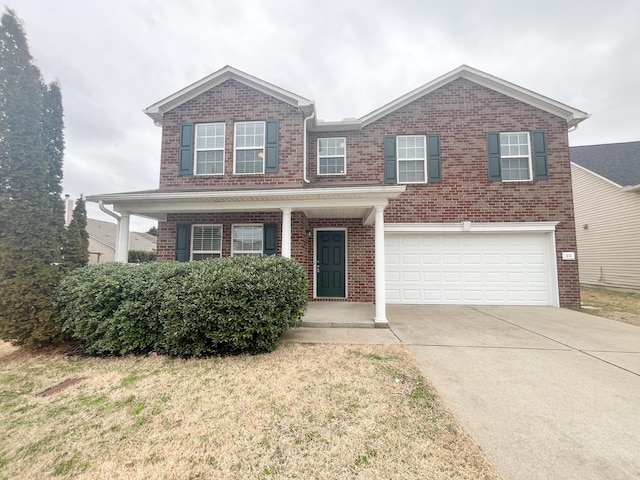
x,y
303,411
614,304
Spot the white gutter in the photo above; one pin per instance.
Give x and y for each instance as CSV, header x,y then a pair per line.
x,y
118,218
304,148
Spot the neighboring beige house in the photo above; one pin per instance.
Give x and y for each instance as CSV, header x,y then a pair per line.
x,y
102,237
102,241
606,189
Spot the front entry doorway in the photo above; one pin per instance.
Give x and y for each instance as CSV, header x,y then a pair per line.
x,y
330,264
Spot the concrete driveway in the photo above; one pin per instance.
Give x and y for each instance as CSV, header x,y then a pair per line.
x,y
547,393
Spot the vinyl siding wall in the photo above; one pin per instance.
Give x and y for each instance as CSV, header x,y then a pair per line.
x,y
609,248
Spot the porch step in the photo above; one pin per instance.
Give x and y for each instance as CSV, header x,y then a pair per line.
x,y
343,324
340,315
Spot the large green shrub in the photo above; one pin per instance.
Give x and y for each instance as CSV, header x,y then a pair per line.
x,y
232,305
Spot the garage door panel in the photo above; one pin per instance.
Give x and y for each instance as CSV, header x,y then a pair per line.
x,y
473,277
393,277
451,295
431,259
411,277
452,277
482,269
431,277
413,259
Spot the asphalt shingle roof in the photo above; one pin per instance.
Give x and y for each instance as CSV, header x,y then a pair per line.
x,y
105,232
618,162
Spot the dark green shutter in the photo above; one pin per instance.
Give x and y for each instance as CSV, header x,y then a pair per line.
x,y
183,242
540,165
390,175
493,156
270,233
186,149
433,158
271,146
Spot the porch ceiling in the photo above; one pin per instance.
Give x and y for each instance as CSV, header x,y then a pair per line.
x,y
338,202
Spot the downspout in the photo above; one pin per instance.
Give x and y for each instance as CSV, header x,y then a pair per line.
x,y
304,147
117,217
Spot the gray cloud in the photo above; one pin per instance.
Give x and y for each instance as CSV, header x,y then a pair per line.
x,y
115,58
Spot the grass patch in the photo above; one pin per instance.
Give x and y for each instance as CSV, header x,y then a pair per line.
x,y
302,411
619,305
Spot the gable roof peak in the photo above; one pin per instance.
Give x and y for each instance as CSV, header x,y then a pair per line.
x,y
158,109
572,115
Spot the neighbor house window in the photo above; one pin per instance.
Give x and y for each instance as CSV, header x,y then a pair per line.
x,y
209,151
249,147
515,156
412,158
246,240
206,242
332,157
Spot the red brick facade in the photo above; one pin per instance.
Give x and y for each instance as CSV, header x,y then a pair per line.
x,y
461,112
233,102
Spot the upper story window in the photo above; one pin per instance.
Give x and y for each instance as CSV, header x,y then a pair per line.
x,y
332,156
247,240
209,151
515,157
412,158
249,147
206,242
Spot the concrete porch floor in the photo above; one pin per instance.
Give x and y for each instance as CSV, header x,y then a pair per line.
x,y
340,315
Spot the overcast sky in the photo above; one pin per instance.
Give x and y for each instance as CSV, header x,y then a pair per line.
x,y
113,58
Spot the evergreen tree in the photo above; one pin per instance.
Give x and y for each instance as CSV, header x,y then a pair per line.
x,y
153,231
75,251
30,248
53,127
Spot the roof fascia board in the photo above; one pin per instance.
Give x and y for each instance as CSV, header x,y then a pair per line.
x,y
390,191
158,109
339,126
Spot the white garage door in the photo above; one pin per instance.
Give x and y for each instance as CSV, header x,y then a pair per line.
x,y
469,269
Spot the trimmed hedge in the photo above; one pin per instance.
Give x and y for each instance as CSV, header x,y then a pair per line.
x,y
224,306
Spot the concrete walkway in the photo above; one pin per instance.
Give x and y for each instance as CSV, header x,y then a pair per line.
x,y
545,392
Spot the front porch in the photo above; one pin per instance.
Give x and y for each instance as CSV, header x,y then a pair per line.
x,y
341,315
292,222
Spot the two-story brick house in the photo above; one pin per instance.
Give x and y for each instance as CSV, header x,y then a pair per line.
x,y
458,192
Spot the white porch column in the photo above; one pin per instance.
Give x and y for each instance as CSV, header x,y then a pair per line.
x,y
286,232
122,242
381,307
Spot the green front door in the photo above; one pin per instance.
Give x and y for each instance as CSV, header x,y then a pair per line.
x,y
330,264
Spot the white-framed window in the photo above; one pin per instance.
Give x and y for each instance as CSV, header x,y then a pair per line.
x,y
206,241
412,158
246,240
249,147
332,156
515,156
209,151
